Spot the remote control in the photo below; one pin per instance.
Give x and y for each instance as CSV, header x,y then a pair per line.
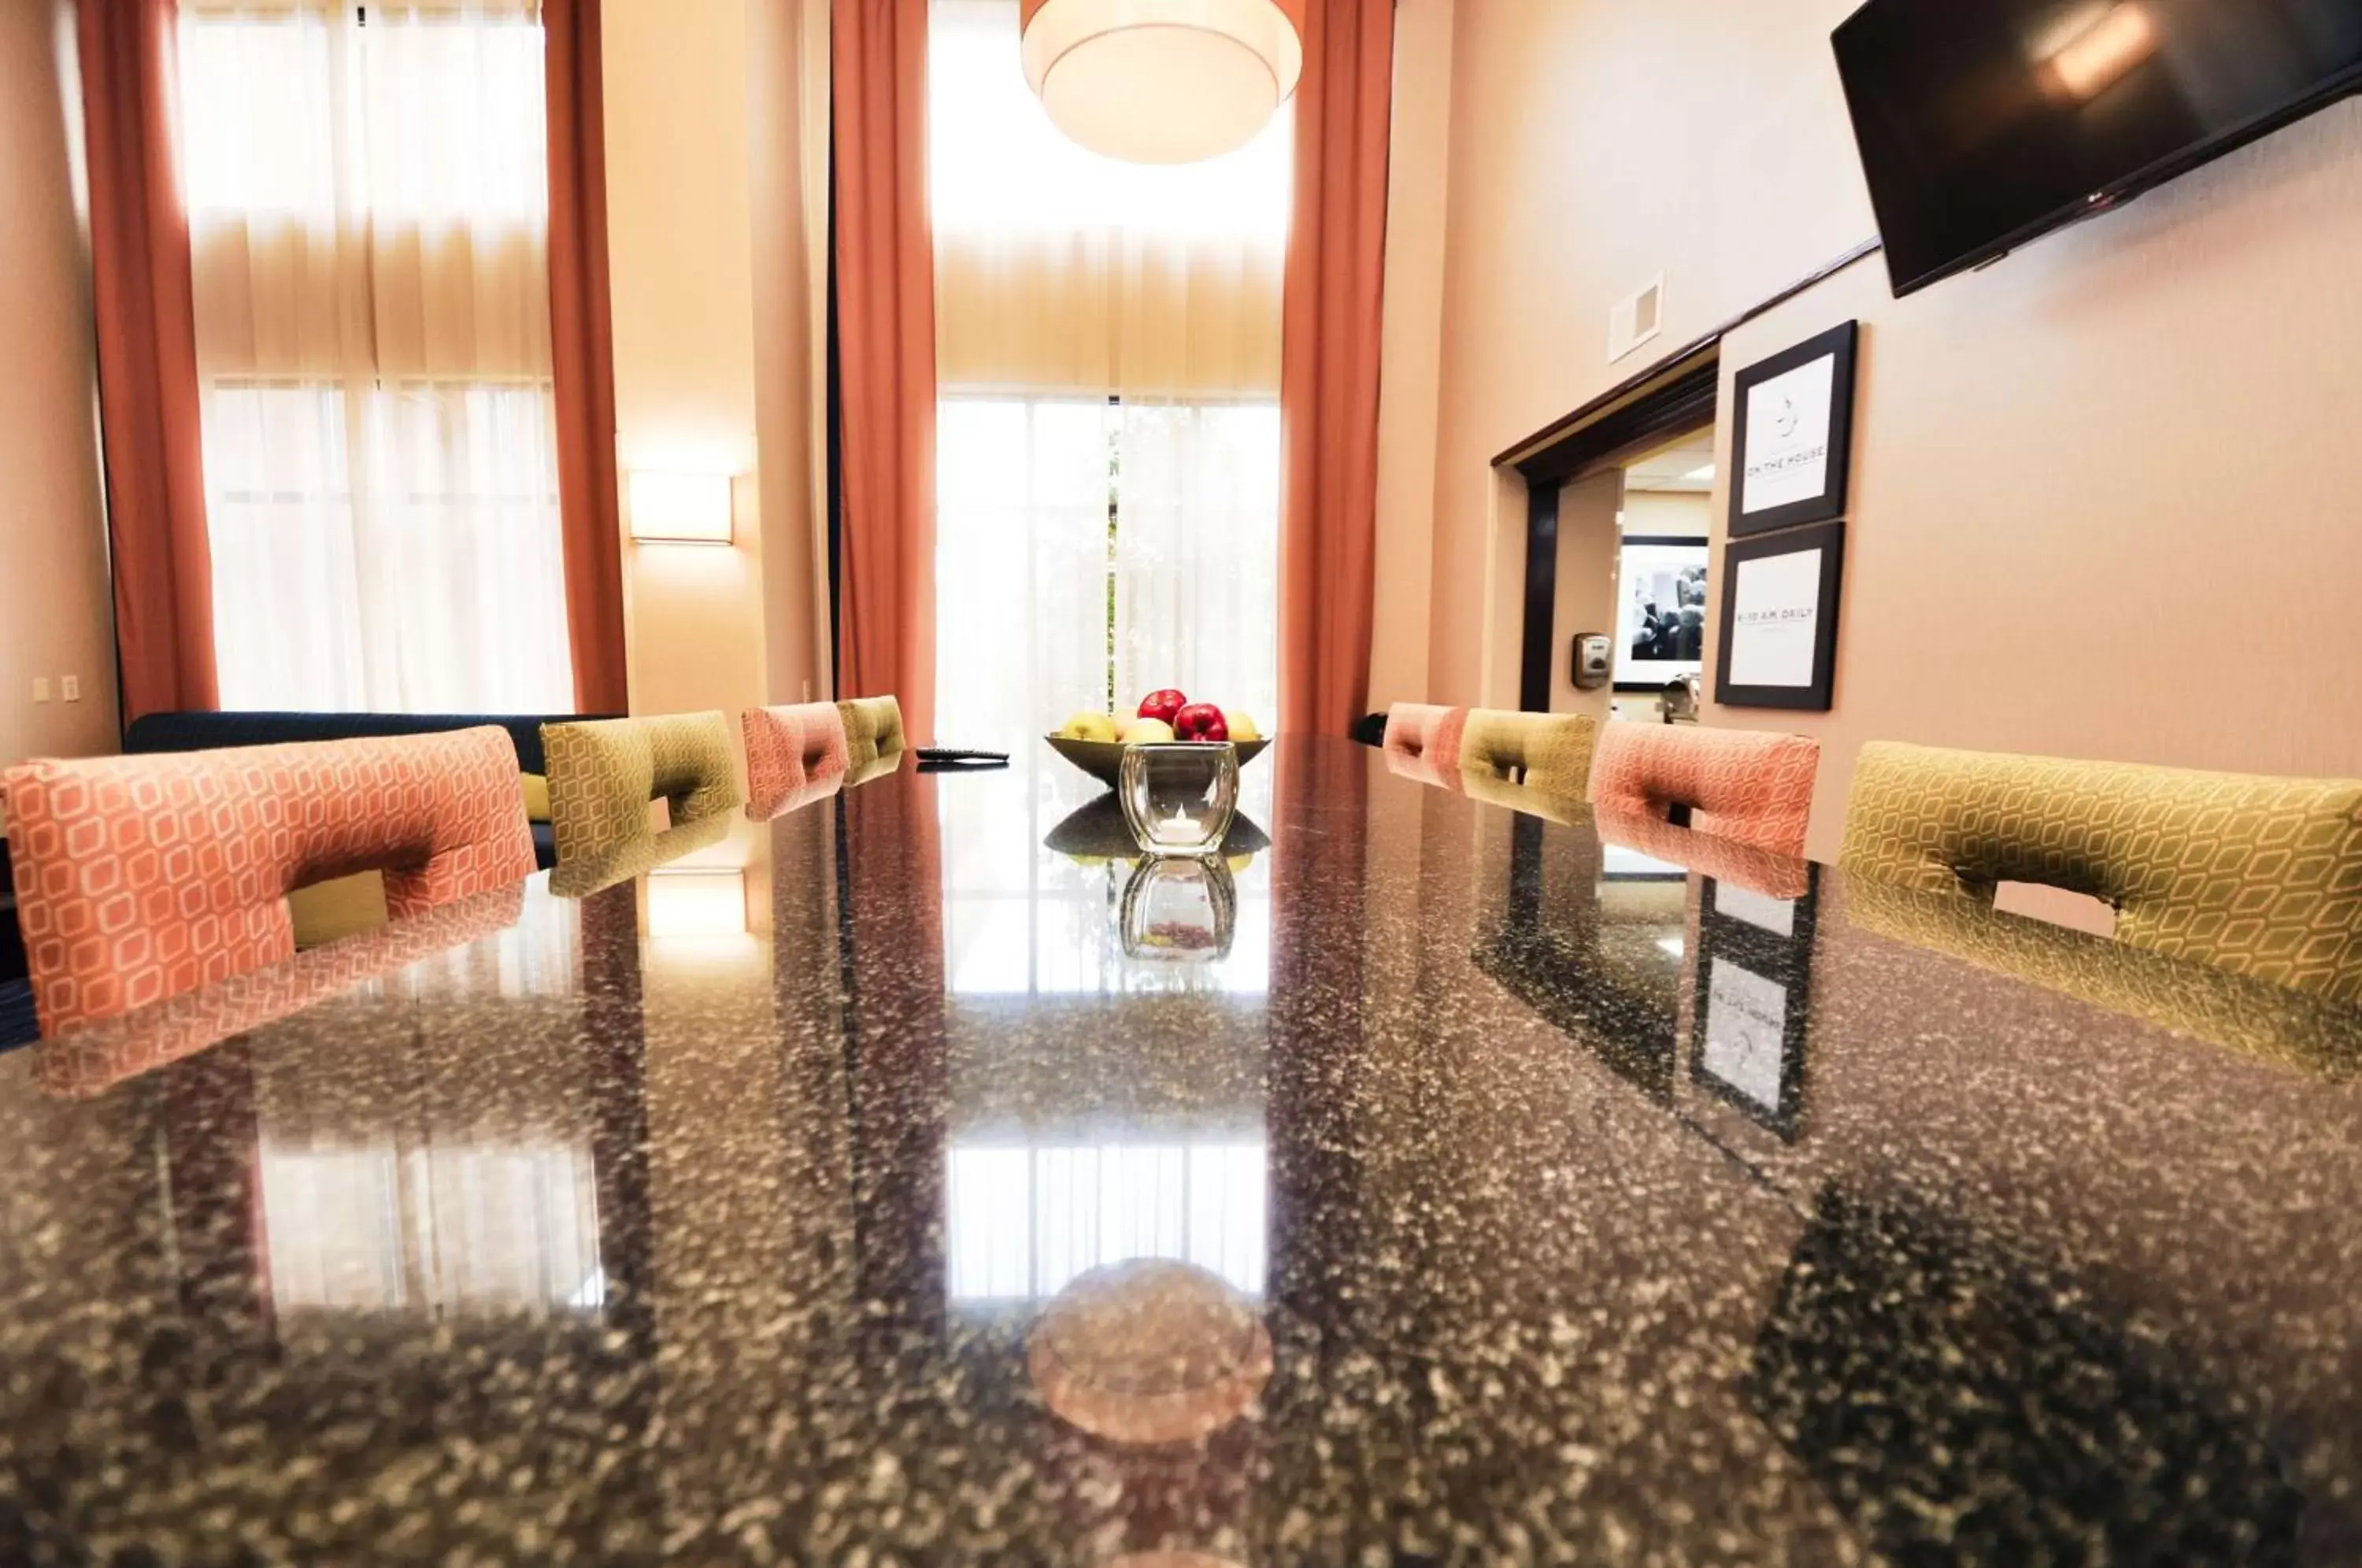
x,y
948,756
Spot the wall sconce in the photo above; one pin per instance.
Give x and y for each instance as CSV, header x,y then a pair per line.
x,y
680,508
695,904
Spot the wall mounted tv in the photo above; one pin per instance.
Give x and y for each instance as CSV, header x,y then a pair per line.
x,y
1984,123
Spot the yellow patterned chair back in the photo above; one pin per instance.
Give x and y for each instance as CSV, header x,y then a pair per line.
x,y
2258,875
873,728
604,773
1549,752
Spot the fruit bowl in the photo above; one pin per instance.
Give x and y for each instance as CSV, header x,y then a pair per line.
x,y
1103,760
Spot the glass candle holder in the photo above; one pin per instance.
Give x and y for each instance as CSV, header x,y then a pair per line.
x,y
1178,799
1177,909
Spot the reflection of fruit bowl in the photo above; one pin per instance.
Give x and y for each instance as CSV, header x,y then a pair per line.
x,y
1103,760
1098,833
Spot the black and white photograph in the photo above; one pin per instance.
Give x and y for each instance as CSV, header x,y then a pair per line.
x,y
1661,612
1794,437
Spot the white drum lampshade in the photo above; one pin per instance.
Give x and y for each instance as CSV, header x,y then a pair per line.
x,y
1162,81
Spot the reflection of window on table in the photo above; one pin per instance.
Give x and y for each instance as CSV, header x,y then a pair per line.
x,y
480,1228
1023,1221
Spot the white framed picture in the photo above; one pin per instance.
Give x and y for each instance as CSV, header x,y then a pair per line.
x,y
1660,611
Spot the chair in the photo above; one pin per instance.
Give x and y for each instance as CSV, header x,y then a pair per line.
x,y
2258,875
139,878
1743,785
873,727
603,775
1549,752
212,732
1422,742
794,755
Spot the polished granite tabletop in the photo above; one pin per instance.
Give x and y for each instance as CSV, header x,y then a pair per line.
x,y
914,1179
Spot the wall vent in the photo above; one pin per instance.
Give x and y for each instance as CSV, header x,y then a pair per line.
x,y
1636,318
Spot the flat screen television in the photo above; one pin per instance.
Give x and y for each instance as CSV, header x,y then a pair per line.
x,y
1984,123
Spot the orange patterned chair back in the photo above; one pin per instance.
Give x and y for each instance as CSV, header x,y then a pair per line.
x,y
1423,742
139,878
794,755
1743,785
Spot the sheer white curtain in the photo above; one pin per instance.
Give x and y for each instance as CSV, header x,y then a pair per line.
x,y
370,222
1108,351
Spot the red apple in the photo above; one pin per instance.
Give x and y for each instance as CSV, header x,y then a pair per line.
x,y
1201,722
1163,704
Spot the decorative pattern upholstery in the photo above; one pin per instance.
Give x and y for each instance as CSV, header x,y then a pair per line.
x,y
789,751
139,878
1743,785
603,775
591,873
873,727
1423,742
2260,876
1742,865
92,1060
1551,752
2277,1023
1532,800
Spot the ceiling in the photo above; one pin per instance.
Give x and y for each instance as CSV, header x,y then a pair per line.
x,y
1685,467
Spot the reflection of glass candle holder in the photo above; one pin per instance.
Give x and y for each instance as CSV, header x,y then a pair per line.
x,y
1178,799
1182,909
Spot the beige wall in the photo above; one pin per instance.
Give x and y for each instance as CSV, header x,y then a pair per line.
x,y
2107,495
2129,443
56,612
1671,513
1586,585
680,234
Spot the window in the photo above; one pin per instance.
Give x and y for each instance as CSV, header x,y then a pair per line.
x,y
368,235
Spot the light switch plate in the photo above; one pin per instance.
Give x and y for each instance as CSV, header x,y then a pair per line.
x,y
70,688
40,689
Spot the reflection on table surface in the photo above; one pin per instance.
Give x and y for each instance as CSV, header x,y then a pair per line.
x,y
1504,1190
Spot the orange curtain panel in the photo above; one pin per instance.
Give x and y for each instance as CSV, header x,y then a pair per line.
x,y
147,358
885,356
1328,366
583,353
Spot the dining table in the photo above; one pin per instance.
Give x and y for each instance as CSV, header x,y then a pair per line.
x,y
1431,1176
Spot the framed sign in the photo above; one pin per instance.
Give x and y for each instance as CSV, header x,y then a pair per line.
x,y
1795,441
1660,611
1779,619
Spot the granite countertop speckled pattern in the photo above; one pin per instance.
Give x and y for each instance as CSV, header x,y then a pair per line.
x,y
1519,1199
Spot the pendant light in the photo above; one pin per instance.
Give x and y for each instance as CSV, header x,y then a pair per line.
x,y
1162,81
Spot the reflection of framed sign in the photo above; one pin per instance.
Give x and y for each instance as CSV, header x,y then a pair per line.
x,y
1779,619
1795,434
1660,611
1754,993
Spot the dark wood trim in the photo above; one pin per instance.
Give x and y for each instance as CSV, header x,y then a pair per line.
x,y
1534,447
1673,405
1541,598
